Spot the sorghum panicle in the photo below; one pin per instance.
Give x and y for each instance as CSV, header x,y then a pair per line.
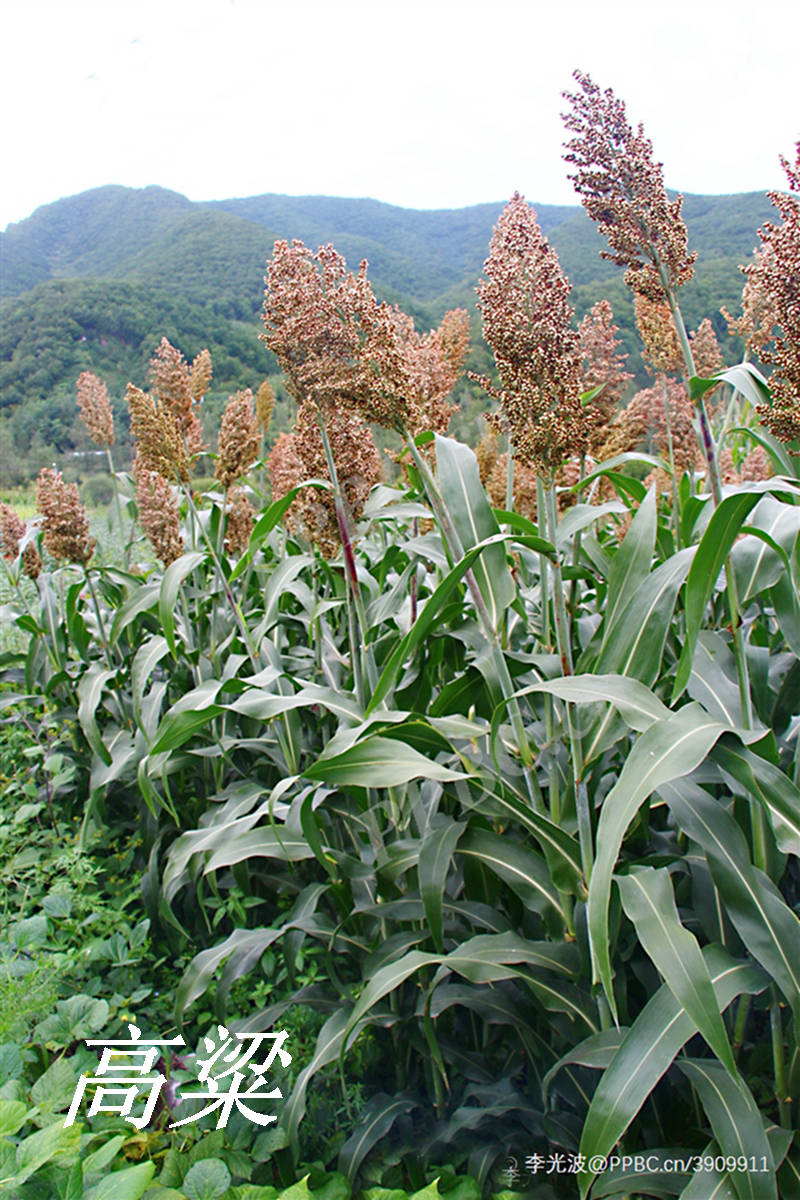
x,y
434,362
759,314
300,455
169,376
12,531
661,348
602,366
622,189
95,409
156,432
159,515
523,299
776,273
337,347
265,405
65,525
239,440
240,521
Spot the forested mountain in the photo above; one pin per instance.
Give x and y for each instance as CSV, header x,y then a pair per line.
x,y
93,282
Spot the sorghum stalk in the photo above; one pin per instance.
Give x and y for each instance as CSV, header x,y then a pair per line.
x,y
778,1060
362,646
100,624
671,451
567,668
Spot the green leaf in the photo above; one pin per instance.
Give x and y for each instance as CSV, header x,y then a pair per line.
x,y
128,1184
377,1119
670,748
744,377
378,762
635,703
13,1114
760,915
37,1149
435,856
650,904
521,868
425,621
715,544
630,566
759,561
649,1048
635,646
474,522
145,660
194,710
207,1179
171,583
267,522
90,690
766,783
737,1125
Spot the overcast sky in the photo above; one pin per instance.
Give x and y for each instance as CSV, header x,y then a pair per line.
x,y
427,105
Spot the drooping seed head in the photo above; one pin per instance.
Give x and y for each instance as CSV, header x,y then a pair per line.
x,y
622,189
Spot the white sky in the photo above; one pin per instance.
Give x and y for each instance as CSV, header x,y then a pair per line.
x,y
426,105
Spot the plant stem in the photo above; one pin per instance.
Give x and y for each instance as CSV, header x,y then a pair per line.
x,y
343,521
778,1060
103,636
565,654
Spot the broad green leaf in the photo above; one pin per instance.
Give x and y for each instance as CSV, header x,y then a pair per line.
x,y
483,958
378,1117
90,689
171,584
669,749
435,857
784,598
760,915
378,762
426,620
649,903
713,679
194,710
474,521
13,1114
744,377
207,1179
145,660
128,1184
737,1125
630,566
267,522
635,646
264,842
597,1051
580,516
715,544
38,1148
648,1050
562,850
635,703
521,868
757,561
766,783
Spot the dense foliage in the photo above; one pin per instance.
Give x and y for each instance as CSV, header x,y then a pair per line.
x,y
484,786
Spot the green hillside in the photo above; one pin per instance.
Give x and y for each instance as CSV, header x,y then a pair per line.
x,y
93,281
